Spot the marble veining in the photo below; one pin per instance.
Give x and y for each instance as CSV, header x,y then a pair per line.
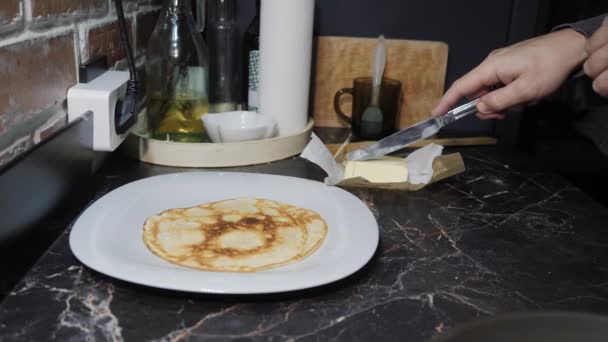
x,y
497,238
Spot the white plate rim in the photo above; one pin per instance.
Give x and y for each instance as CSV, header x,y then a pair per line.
x,y
364,256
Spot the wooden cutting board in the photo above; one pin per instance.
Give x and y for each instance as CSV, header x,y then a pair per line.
x,y
419,65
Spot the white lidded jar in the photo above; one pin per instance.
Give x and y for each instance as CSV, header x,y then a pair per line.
x,y
286,30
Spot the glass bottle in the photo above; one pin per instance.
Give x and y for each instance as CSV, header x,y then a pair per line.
x,y
251,47
222,37
177,76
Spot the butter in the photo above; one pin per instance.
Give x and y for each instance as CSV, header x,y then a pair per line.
x,y
385,170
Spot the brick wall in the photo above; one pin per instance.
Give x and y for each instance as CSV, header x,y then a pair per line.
x,y
41,44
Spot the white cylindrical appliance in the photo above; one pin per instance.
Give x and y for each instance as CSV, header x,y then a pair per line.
x,y
286,29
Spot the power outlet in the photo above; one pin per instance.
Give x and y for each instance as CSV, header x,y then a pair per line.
x,y
100,97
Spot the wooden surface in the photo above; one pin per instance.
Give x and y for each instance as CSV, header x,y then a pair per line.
x,y
419,65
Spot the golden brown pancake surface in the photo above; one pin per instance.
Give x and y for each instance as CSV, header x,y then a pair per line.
x,y
242,235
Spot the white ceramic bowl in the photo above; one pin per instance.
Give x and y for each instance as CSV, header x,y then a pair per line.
x,y
239,126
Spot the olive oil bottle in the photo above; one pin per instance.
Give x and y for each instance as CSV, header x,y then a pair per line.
x,y
179,118
177,64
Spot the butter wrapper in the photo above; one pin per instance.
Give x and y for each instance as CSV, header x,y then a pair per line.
x,y
425,166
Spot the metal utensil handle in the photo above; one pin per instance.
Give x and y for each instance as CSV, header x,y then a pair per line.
x,y
458,113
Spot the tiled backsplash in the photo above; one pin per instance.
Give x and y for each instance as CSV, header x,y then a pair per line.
x,y
41,44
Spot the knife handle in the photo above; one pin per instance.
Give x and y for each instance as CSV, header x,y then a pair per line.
x,y
457,113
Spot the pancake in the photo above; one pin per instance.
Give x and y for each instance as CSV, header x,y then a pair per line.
x,y
237,235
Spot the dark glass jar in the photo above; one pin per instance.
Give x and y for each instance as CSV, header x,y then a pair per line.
x,y
222,37
251,49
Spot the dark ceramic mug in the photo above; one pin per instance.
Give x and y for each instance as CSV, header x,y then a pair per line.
x,y
389,102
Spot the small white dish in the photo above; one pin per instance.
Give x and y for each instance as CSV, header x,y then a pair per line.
x,y
239,126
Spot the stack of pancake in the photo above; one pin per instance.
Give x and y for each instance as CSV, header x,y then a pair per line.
x,y
237,235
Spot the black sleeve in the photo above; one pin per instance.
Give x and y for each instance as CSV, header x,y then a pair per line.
x,y
584,27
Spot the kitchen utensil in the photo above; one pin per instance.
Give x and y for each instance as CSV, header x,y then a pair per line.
x,y
389,99
107,237
239,126
371,119
412,134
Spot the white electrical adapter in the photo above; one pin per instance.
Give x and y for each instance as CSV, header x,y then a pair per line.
x,y
100,97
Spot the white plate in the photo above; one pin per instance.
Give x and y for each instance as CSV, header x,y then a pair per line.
x,y
107,237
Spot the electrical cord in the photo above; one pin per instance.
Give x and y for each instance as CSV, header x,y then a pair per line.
x,y
126,108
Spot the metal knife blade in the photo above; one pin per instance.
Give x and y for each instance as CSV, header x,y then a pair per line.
x,y
419,131
396,141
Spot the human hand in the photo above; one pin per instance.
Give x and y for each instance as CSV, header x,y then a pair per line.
x,y
596,66
529,70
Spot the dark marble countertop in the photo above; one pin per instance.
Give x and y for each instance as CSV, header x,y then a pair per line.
x,y
497,238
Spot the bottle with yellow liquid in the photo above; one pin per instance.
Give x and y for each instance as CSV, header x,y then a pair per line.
x,y
177,65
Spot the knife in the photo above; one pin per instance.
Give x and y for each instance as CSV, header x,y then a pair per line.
x,y
407,136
